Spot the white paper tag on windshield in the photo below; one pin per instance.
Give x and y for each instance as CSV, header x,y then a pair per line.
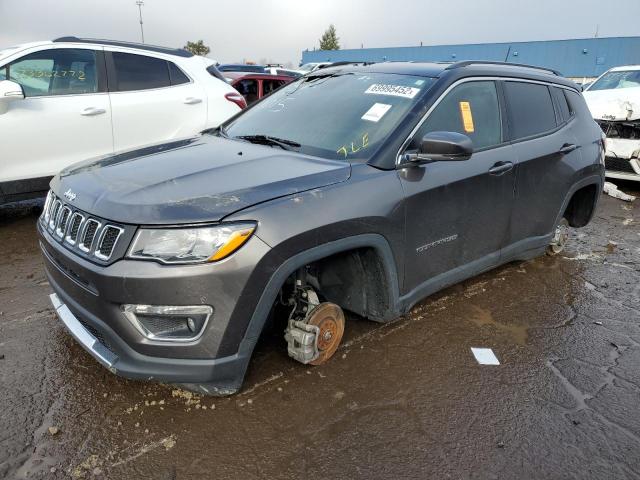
x,y
393,90
376,112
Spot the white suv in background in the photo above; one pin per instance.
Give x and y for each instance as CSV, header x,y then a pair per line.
x,y
71,99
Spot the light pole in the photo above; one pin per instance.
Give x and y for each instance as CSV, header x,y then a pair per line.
x,y
140,3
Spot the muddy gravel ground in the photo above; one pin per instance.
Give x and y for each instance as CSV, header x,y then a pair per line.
x,y
401,400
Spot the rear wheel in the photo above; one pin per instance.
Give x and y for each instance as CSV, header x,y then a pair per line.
x,y
560,238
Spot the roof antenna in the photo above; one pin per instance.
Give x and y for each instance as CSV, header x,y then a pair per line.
x,y
597,28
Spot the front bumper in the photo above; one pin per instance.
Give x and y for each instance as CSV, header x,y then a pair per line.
x,y
88,299
622,159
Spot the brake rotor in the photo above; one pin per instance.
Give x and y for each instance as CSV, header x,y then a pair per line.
x,y
329,318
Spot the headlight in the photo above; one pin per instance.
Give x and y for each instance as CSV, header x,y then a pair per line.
x,y
190,245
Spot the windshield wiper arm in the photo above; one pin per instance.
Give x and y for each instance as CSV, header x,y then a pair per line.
x,y
273,141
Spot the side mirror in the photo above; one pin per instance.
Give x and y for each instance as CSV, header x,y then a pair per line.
x,y
9,91
442,147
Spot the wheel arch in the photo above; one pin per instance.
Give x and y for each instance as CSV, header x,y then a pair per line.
x,y
371,241
580,203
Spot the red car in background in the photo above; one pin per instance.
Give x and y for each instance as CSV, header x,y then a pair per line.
x,y
254,86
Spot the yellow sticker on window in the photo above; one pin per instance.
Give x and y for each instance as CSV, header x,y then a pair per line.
x,y
467,117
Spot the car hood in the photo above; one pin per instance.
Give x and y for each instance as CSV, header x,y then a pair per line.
x,y
614,104
202,179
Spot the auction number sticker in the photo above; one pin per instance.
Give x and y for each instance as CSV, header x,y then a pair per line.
x,y
393,90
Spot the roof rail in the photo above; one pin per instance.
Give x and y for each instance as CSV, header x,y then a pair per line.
x,y
339,64
179,52
466,63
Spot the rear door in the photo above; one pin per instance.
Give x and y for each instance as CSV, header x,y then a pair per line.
x,y
153,100
64,118
547,154
458,212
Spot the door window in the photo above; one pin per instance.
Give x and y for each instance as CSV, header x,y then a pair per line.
x,y
248,88
530,108
269,86
178,77
139,72
3,73
62,71
472,109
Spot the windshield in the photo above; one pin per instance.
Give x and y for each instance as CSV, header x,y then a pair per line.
x,y
336,115
619,79
307,67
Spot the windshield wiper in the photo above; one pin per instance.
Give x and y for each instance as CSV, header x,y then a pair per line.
x,y
272,141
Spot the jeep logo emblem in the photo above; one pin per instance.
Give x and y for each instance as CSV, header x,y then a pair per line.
x,y
70,195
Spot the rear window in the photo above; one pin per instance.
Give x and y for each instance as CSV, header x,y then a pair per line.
x,y
530,108
139,72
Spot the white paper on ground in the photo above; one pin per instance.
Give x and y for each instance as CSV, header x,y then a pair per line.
x,y
485,356
376,112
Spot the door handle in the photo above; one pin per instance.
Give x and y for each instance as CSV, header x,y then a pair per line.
x,y
192,100
90,111
567,148
500,168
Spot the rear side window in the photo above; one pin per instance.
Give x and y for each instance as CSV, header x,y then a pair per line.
x,y
577,105
178,77
531,109
472,109
139,72
564,114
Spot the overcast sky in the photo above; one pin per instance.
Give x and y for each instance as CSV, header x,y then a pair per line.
x,y
278,30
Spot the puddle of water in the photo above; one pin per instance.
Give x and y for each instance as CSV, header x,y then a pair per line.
x,y
483,317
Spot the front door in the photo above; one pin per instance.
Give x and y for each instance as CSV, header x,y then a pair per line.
x,y
64,117
458,212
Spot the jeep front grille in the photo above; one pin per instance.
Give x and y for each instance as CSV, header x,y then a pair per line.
x,y
74,228
78,231
107,241
61,226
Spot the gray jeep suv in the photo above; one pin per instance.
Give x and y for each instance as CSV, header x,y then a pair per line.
x,y
358,187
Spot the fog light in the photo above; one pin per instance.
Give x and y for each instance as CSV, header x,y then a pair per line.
x,y
169,323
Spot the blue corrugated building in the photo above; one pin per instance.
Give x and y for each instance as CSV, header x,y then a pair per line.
x,y
576,58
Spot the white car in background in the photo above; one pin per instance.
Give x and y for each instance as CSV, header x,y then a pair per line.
x,y
312,66
614,102
70,99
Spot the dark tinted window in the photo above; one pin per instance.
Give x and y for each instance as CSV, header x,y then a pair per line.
x,y
472,109
139,72
269,86
64,71
248,88
577,105
177,76
531,109
561,103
